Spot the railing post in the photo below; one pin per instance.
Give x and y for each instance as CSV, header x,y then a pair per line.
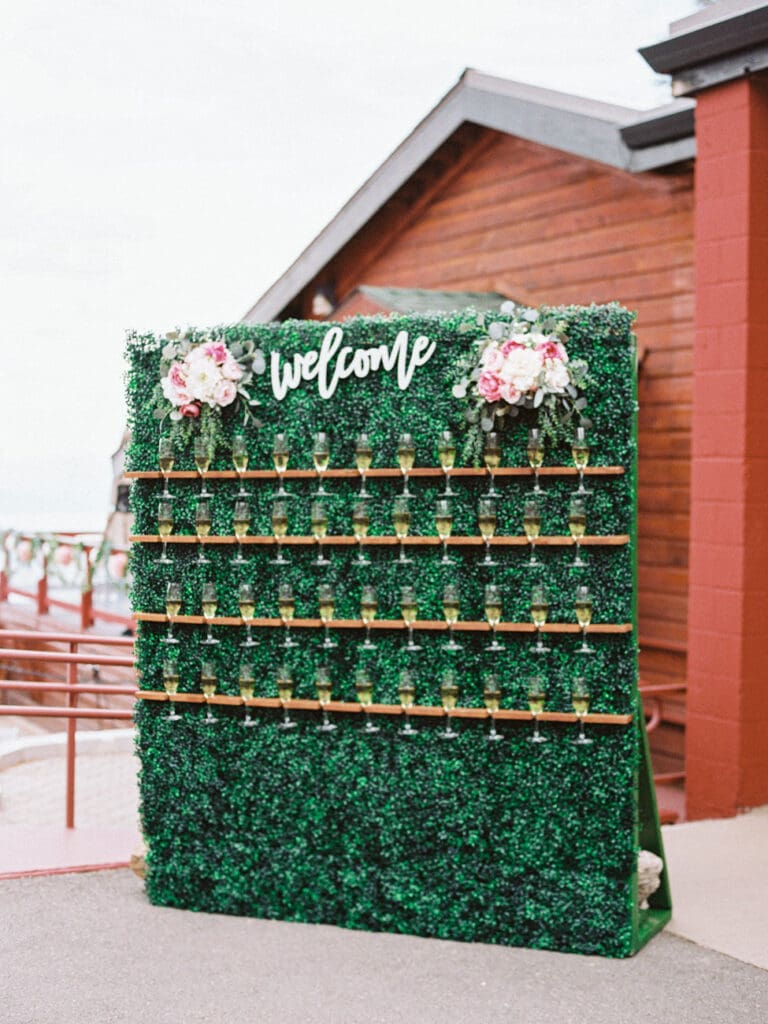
x,y
86,597
71,740
3,585
42,587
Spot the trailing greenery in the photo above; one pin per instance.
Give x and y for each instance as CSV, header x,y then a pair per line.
x,y
508,842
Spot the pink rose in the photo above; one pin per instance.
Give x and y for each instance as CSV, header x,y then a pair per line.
x,y
225,393
191,409
63,555
489,385
217,351
552,349
174,385
515,342
509,392
492,359
231,368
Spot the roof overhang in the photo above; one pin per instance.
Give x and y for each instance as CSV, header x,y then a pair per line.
x,y
617,136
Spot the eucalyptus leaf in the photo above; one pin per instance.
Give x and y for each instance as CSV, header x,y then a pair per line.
x,y
486,424
472,415
580,404
507,308
496,331
538,398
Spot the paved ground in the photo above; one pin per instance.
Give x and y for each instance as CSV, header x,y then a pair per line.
x,y
88,949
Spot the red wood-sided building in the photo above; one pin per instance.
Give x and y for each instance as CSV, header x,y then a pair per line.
x,y
506,190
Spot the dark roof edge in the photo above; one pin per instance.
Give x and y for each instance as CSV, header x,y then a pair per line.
x,y
667,124
709,42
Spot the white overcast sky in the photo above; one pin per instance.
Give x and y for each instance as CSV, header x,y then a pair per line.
x,y
163,161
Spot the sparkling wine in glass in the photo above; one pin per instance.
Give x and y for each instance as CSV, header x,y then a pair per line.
x,y
451,615
492,701
409,610
444,524
165,529
537,695
327,602
321,456
171,686
285,693
363,460
210,604
286,603
406,691
449,694
361,520
281,452
493,614
583,608
532,527
240,462
247,601
492,460
364,691
536,456
577,524
369,603
580,453
242,523
323,688
279,530
486,520
406,454
319,518
580,700
401,519
202,463
446,454
165,458
246,680
208,686
203,521
172,609
539,612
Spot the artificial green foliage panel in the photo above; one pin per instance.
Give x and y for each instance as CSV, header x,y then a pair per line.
x,y
508,842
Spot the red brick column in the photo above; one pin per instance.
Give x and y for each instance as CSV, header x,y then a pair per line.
x,y
727,720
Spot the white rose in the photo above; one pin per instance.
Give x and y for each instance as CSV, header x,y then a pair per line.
x,y
521,368
203,377
556,376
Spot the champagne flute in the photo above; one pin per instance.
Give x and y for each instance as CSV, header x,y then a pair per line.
x,y
285,693
406,454
577,524
281,451
246,680
321,456
449,693
202,463
580,701
171,686
532,527
203,521
210,604
240,462
172,609
319,530
363,460
451,614
492,459
369,603
364,691
539,612
327,602
208,686
165,529
486,519
242,522
401,518
323,687
446,454
444,524
409,610
406,691
286,603
492,701
247,601
583,608
166,459
493,614
279,530
537,694
536,456
580,453
361,520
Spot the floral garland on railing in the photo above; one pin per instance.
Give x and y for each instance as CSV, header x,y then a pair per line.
x,y
520,364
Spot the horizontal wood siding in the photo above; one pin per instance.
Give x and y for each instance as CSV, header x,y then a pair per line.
x,y
544,226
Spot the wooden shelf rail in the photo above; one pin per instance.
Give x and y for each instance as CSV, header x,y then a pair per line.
x,y
608,540
349,707
391,472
